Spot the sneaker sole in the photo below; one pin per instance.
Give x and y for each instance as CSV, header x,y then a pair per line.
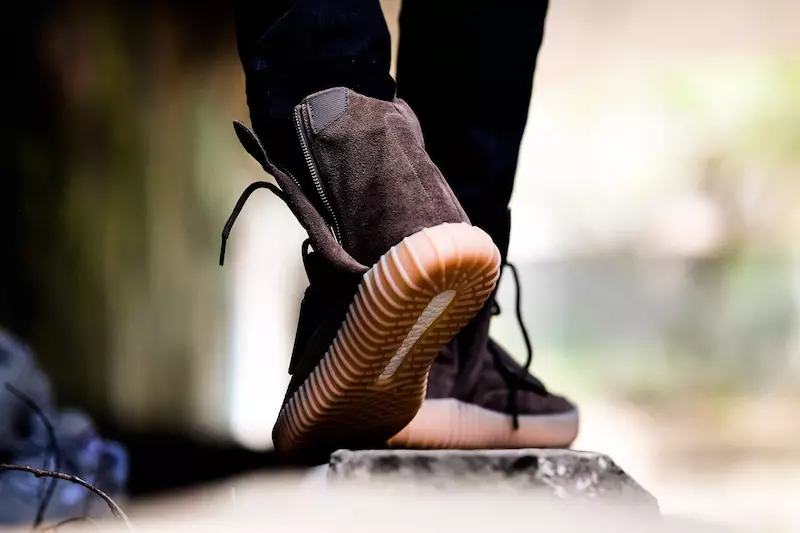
x,y
373,378
450,423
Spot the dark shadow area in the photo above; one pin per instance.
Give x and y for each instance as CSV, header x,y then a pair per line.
x,y
162,462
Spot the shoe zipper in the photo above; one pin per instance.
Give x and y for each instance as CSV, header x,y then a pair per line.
x,y
293,178
314,173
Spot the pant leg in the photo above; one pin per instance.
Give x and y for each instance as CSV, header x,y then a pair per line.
x,y
292,48
466,68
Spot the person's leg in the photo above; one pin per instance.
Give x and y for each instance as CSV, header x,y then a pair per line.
x,y
466,68
292,48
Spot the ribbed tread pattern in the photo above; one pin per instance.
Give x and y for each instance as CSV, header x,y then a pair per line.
x,y
354,398
452,424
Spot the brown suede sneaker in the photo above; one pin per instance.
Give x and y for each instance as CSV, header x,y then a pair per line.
x,y
480,397
396,271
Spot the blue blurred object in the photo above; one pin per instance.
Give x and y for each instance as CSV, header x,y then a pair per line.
x,y
18,368
26,440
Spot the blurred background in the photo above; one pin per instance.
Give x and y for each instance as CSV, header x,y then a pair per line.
x,y
656,217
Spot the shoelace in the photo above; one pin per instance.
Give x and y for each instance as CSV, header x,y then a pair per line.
x,y
226,231
517,381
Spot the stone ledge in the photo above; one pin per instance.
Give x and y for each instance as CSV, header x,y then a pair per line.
x,y
564,474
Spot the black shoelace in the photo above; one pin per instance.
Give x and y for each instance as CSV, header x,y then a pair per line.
x,y
226,231
517,381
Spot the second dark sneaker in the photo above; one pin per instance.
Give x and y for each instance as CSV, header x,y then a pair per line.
x,y
480,397
395,271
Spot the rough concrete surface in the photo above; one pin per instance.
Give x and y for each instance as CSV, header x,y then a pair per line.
x,y
565,474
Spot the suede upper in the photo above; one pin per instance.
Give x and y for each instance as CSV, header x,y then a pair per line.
x,y
488,387
371,158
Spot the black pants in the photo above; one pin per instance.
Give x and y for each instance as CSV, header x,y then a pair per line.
x,y
465,67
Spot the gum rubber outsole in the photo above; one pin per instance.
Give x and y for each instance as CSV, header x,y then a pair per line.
x,y
448,423
372,380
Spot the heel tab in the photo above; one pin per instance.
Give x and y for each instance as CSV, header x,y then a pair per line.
x,y
252,144
326,106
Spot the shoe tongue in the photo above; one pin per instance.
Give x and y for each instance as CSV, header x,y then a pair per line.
x,y
298,201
